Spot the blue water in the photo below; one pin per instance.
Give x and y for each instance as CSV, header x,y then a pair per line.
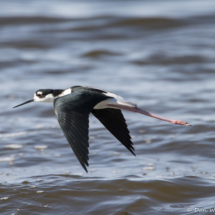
x,y
158,54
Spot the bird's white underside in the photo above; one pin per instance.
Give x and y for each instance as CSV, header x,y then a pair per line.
x,y
115,100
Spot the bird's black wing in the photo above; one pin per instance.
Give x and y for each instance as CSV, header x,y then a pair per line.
x,y
114,121
72,112
75,128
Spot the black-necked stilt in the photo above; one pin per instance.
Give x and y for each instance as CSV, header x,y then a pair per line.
x,y
73,106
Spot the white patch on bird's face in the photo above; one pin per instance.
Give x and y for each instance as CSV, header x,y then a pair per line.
x,y
39,93
49,98
65,92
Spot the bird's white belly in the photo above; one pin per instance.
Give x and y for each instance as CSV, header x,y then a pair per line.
x,y
118,103
105,103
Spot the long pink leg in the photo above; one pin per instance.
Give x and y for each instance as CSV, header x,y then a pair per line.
x,y
137,110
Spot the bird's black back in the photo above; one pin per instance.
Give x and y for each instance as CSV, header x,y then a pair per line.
x,y
81,99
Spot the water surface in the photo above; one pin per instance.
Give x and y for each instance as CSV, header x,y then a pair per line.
x,y
159,54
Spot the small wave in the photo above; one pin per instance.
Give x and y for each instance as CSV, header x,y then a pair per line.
x,y
40,147
149,23
23,133
29,20
100,53
9,159
13,146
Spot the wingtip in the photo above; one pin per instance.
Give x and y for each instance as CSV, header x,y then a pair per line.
x,y
85,166
132,152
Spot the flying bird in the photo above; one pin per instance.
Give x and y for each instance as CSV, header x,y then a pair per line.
x,y
72,107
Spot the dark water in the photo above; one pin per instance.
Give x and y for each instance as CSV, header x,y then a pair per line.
x,y
159,54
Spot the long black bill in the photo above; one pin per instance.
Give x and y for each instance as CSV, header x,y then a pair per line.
x,y
24,103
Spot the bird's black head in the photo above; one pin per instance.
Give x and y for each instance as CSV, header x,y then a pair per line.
x,y
43,93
